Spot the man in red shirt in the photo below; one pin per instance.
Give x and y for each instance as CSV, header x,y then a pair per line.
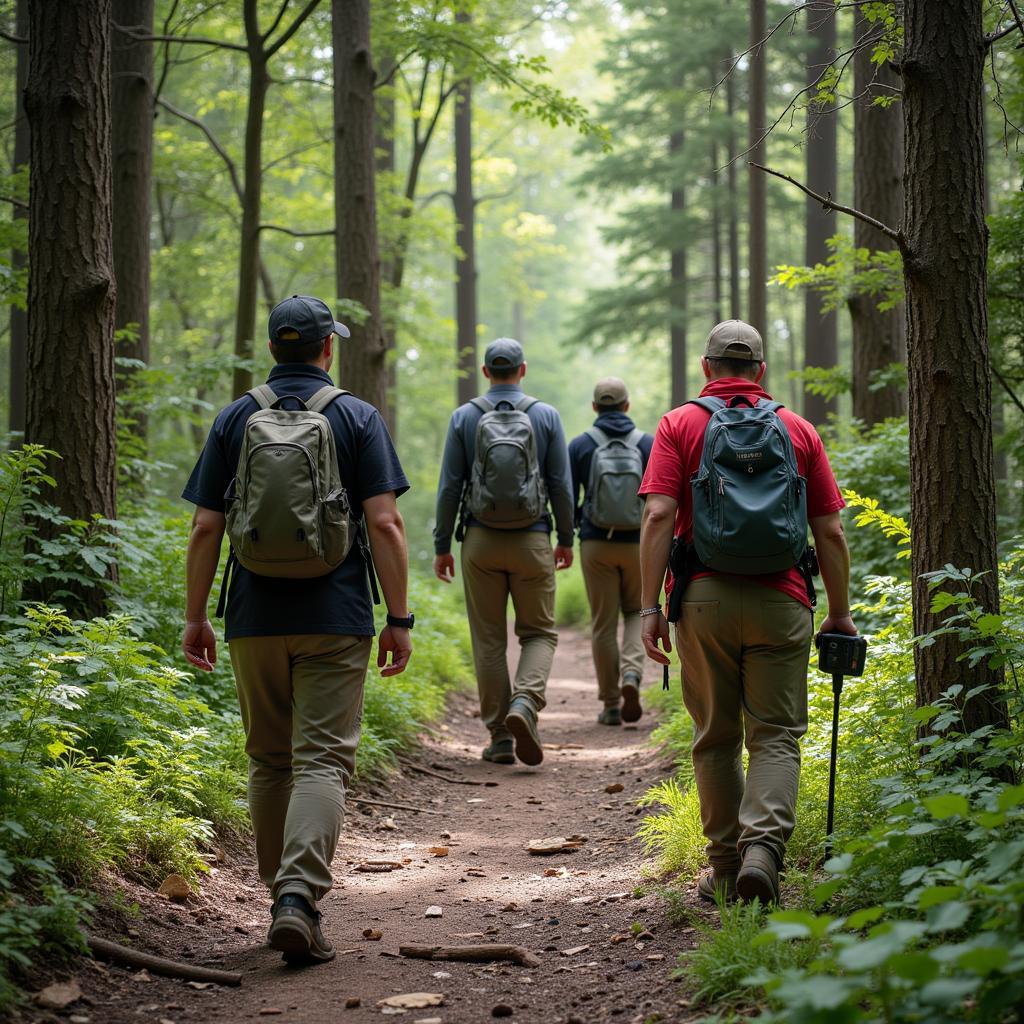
x,y
743,640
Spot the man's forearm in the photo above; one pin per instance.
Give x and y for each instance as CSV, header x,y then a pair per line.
x,y
391,560
201,569
655,544
834,563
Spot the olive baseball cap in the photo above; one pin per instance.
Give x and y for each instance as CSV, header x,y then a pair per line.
x,y
301,319
610,391
503,354
734,339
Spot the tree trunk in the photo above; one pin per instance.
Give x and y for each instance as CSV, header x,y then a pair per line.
x,y
678,289
716,225
385,141
19,320
821,328
363,357
735,302
71,290
757,215
131,91
465,231
953,499
878,337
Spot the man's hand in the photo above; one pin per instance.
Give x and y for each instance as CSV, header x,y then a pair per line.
x,y
839,624
444,567
398,644
563,557
654,628
199,644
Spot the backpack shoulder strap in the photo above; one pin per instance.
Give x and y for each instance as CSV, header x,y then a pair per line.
x,y
323,398
526,402
483,404
598,436
633,439
711,405
264,395
769,406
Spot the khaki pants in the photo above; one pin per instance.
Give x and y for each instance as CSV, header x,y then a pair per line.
x,y
611,571
496,565
302,704
745,652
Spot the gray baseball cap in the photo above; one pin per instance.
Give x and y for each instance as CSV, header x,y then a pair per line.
x,y
503,354
610,391
734,339
301,319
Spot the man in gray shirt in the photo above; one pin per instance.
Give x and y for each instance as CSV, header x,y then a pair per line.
x,y
500,494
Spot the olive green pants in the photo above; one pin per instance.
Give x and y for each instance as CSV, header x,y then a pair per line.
x,y
301,699
611,571
497,565
745,652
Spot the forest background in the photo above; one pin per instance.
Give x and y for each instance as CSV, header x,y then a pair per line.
x,y
573,174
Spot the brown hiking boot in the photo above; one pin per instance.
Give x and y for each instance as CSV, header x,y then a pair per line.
x,y
759,876
521,721
631,709
296,932
713,881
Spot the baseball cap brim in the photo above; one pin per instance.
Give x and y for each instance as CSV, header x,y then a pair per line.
x,y
341,330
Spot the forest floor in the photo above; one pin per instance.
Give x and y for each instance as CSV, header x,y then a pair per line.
x,y
606,948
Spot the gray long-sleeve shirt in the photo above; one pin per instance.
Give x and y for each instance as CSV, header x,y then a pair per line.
x,y
457,464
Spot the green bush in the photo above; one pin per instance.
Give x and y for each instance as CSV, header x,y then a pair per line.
x,y
571,605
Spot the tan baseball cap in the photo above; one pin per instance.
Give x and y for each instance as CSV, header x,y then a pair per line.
x,y
734,339
610,391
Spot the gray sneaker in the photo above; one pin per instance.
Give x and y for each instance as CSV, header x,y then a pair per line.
x,y
631,709
759,876
296,932
521,721
500,752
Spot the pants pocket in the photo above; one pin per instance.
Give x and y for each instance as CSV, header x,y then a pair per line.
x,y
700,617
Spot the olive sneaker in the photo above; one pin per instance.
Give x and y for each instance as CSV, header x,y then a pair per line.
x,y
296,934
611,715
713,882
500,752
521,721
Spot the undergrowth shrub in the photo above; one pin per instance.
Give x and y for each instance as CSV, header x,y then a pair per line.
x,y
571,605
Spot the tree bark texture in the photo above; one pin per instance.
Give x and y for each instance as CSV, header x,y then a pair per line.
x,y
878,337
677,293
757,215
821,328
19,318
465,239
363,357
953,497
71,292
131,89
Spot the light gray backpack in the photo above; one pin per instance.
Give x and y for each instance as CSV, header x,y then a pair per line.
x,y
506,490
287,511
616,472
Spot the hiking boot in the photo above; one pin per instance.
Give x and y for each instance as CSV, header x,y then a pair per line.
x,y
521,721
610,716
631,710
296,933
713,881
759,876
500,752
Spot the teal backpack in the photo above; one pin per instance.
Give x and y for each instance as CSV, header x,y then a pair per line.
x,y
749,500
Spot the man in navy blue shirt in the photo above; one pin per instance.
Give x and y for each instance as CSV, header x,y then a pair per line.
x,y
611,562
300,647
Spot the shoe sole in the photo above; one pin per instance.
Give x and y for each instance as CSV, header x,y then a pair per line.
x,y
754,884
601,721
528,750
500,758
631,709
293,939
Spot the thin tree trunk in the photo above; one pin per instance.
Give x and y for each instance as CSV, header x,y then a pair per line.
x,y
717,297
878,337
363,357
71,293
953,499
132,146
821,328
733,204
19,319
385,141
757,214
465,240
678,288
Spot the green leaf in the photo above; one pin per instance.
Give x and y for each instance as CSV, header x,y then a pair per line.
x,y
1012,796
948,916
936,894
948,992
862,918
947,805
915,966
984,959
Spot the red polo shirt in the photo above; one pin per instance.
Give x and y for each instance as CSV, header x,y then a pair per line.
x,y
675,457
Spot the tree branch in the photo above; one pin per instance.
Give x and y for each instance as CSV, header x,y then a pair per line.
x,y
1002,380
291,29
893,233
1017,23
12,38
14,201
212,139
293,233
140,37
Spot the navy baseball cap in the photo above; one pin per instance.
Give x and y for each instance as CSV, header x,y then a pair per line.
x,y
503,354
301,319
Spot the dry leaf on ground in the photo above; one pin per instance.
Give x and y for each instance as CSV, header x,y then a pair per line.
x,y
372,934
175,888
58,995
614,787
555,844
413,1000
439,851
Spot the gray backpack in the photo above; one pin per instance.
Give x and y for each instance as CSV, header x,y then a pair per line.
x,y
287,511
506,490
749,500
616,473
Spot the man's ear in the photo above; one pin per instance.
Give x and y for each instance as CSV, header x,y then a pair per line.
x,y
625,407
705,366
522,371
487,373
760,373
595,407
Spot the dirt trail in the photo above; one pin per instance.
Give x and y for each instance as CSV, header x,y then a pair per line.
x,y
570,909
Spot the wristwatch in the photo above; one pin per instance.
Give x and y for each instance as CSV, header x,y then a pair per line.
x,y
398,623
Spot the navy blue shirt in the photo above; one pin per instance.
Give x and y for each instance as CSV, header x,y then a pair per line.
x,y
581,454
339,602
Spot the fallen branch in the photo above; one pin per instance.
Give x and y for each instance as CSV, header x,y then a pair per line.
x,y
483,954
444,778
104,949
828,203
393,806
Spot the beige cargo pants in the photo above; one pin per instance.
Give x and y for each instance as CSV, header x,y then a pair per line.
x,y
497,565
745,652
611,572
301,699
